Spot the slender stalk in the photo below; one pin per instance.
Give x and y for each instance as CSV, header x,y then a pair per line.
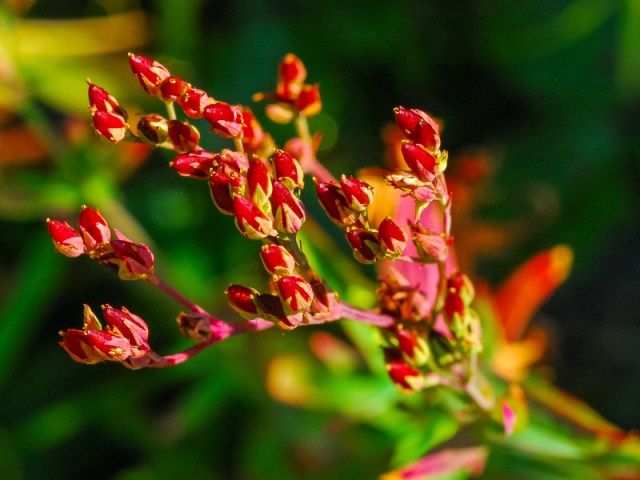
x,y
302,128
442,290
171,109
366,316
153,279
238,143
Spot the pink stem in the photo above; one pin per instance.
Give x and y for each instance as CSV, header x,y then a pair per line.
x,y
367,316
314,168
153,279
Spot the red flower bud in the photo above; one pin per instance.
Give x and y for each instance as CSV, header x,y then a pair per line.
x,y
237,161
288,170
333,201
153,129
109,125
296,294
427,134
358,194
365,244
413,347
252,134
308,102
392,238
220,192
65,239
93,228
422,163
225,119
453,304
406,378
193,102
277,260
241,299
271,306
196,164
130,326
258,182
101,100
110,345
288,211
172,88
461,284
78,345
136,259
150,74
250,220
183,137
292,70
431,247
409,122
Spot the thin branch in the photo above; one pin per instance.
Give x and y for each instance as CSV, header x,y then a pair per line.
x,y
366,316
153,279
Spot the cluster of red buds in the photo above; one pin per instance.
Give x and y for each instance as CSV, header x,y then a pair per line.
x,y
134,260
430,339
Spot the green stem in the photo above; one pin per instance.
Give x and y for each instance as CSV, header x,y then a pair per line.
x,y
171,109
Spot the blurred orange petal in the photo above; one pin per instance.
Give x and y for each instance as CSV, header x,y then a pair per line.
x,y
19,145
512,361
525,290
287,381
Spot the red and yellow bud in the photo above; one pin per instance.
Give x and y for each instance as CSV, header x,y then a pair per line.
x,y
271,306
259,186
93,228
253,135
365,245
109,125
407,379
172,89
193,101
242,300
288,170
101,100
288,210
296,294
308,102
236,161
65,239
292,70
219,184
136,260
78,345
277,261
225,119
110,345
454,305
419,127
149,73
130,326
250,220
392,238
183,137
421,162
153,129
413,347
357,193
333,201
197,164
461,284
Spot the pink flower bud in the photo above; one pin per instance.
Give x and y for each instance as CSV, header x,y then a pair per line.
x,y
358,194
193,102
153,129
392,238
136,259
296,294
431,247
101,100
250,220
308,102
196,164
237,161
406,378
365,244
130,326
219,184
422,163
288,210
109,125
277,260
77,344
172,88
252,134
149,73
288,170
292,69
225,119
65,239
241,299
110,345
333,201
259,187
184,137
93,228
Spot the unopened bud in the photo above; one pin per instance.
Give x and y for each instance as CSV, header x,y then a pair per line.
x,y
65,239
130,326
195,326
259,187
136,259
172,88
250,220
288,210
392,238
109,125
225,120
292,69
219,184
358,194
101,100
149,73
365,245
195,164
308,102
277,261
431,247
93,228
333,201
288,170
296,294
153,129
183,137
193,101
242,299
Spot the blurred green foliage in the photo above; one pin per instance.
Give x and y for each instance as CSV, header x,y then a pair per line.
x,y
552,88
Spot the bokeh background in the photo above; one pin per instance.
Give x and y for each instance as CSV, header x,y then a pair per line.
x,y
545,92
